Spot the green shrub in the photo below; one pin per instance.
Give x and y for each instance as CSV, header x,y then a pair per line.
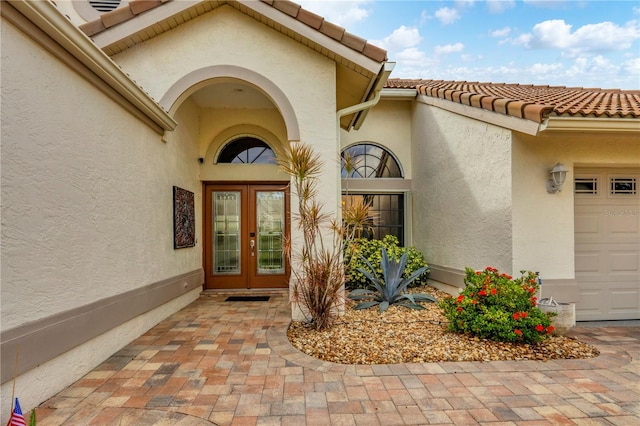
x,y
497,307
391,288
371,250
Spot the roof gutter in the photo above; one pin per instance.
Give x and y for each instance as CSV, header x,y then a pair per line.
x,y
381,80
590,124
46,16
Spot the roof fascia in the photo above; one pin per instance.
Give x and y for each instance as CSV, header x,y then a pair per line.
x,y
374,93
47,18
590,124
508,122
171,8
399,94
313,35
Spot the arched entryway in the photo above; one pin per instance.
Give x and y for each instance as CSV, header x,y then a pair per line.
x,y
243,124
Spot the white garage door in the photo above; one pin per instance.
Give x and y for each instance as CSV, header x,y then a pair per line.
x,y
607,243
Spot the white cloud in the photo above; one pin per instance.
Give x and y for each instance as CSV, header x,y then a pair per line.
x,y
549,4
499,6
400,39
343,13
501,32
448,48
583,72
464,3
471,58
601,37
423,17
631,67
447,16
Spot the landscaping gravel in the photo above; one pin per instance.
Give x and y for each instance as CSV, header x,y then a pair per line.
x,y
402,335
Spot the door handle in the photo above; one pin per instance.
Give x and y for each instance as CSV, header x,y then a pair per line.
x,y
252,244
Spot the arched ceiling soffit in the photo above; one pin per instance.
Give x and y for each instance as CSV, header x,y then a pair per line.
x,y
208,87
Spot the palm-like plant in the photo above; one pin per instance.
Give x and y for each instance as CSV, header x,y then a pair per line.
x,y
319,274
391,287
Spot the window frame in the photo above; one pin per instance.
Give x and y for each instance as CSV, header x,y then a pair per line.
x,y
377,145
237,139
382,186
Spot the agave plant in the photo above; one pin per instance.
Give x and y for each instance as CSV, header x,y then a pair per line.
x,y
391,287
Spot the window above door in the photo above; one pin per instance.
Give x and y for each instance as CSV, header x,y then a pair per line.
x,y
247,150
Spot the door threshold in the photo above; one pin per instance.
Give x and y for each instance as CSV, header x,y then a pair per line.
x,y
244,291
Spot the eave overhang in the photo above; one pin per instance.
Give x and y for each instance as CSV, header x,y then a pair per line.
x,y
375,93
522,125
45,16
549,123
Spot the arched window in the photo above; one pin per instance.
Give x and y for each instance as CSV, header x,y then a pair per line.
x,y
369,161
247,150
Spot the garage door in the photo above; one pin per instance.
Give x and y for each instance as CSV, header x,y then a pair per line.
x,y
607,243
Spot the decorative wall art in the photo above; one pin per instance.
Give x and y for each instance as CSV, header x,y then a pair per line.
x,y
184,219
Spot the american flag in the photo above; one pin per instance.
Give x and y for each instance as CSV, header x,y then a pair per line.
x,y
17,419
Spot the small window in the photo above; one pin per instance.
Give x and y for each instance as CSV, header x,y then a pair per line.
x,y
623,186
586,186
247,150
369,162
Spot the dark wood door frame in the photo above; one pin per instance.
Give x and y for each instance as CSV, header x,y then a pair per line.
x,y
248,278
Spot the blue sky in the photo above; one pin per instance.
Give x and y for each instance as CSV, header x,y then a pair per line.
x,y
575,43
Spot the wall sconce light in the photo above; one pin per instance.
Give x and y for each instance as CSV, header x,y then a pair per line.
x,y
558,176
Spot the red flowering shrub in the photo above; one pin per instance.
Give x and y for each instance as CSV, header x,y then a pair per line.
x,y
497,307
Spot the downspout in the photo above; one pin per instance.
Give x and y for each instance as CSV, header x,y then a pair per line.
x,y
381,80
387,67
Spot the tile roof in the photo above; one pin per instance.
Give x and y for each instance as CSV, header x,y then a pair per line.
x,y
294,10
527,101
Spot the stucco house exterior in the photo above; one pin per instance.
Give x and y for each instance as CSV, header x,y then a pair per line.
x,y
106,110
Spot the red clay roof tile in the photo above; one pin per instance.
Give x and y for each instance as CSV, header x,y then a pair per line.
x,y
136,7
529,101
332,30
288,7
114,17
140,6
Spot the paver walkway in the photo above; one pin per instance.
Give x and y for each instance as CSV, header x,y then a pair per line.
x,y
230,363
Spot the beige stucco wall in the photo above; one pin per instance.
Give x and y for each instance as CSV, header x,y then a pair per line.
x,y
87,210
461,190
212,39
543,223
387,124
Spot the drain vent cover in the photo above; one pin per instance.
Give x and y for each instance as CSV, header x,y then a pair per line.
x,y
247,299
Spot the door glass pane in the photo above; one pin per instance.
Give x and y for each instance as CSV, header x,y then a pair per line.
x,y
226,233
270,219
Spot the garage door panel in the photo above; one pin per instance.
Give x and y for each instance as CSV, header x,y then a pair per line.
x,y
588,262
590,302
625,224
587,223
607,244
625,261
625,300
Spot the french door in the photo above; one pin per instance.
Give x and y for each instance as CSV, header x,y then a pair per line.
x,y
246,227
